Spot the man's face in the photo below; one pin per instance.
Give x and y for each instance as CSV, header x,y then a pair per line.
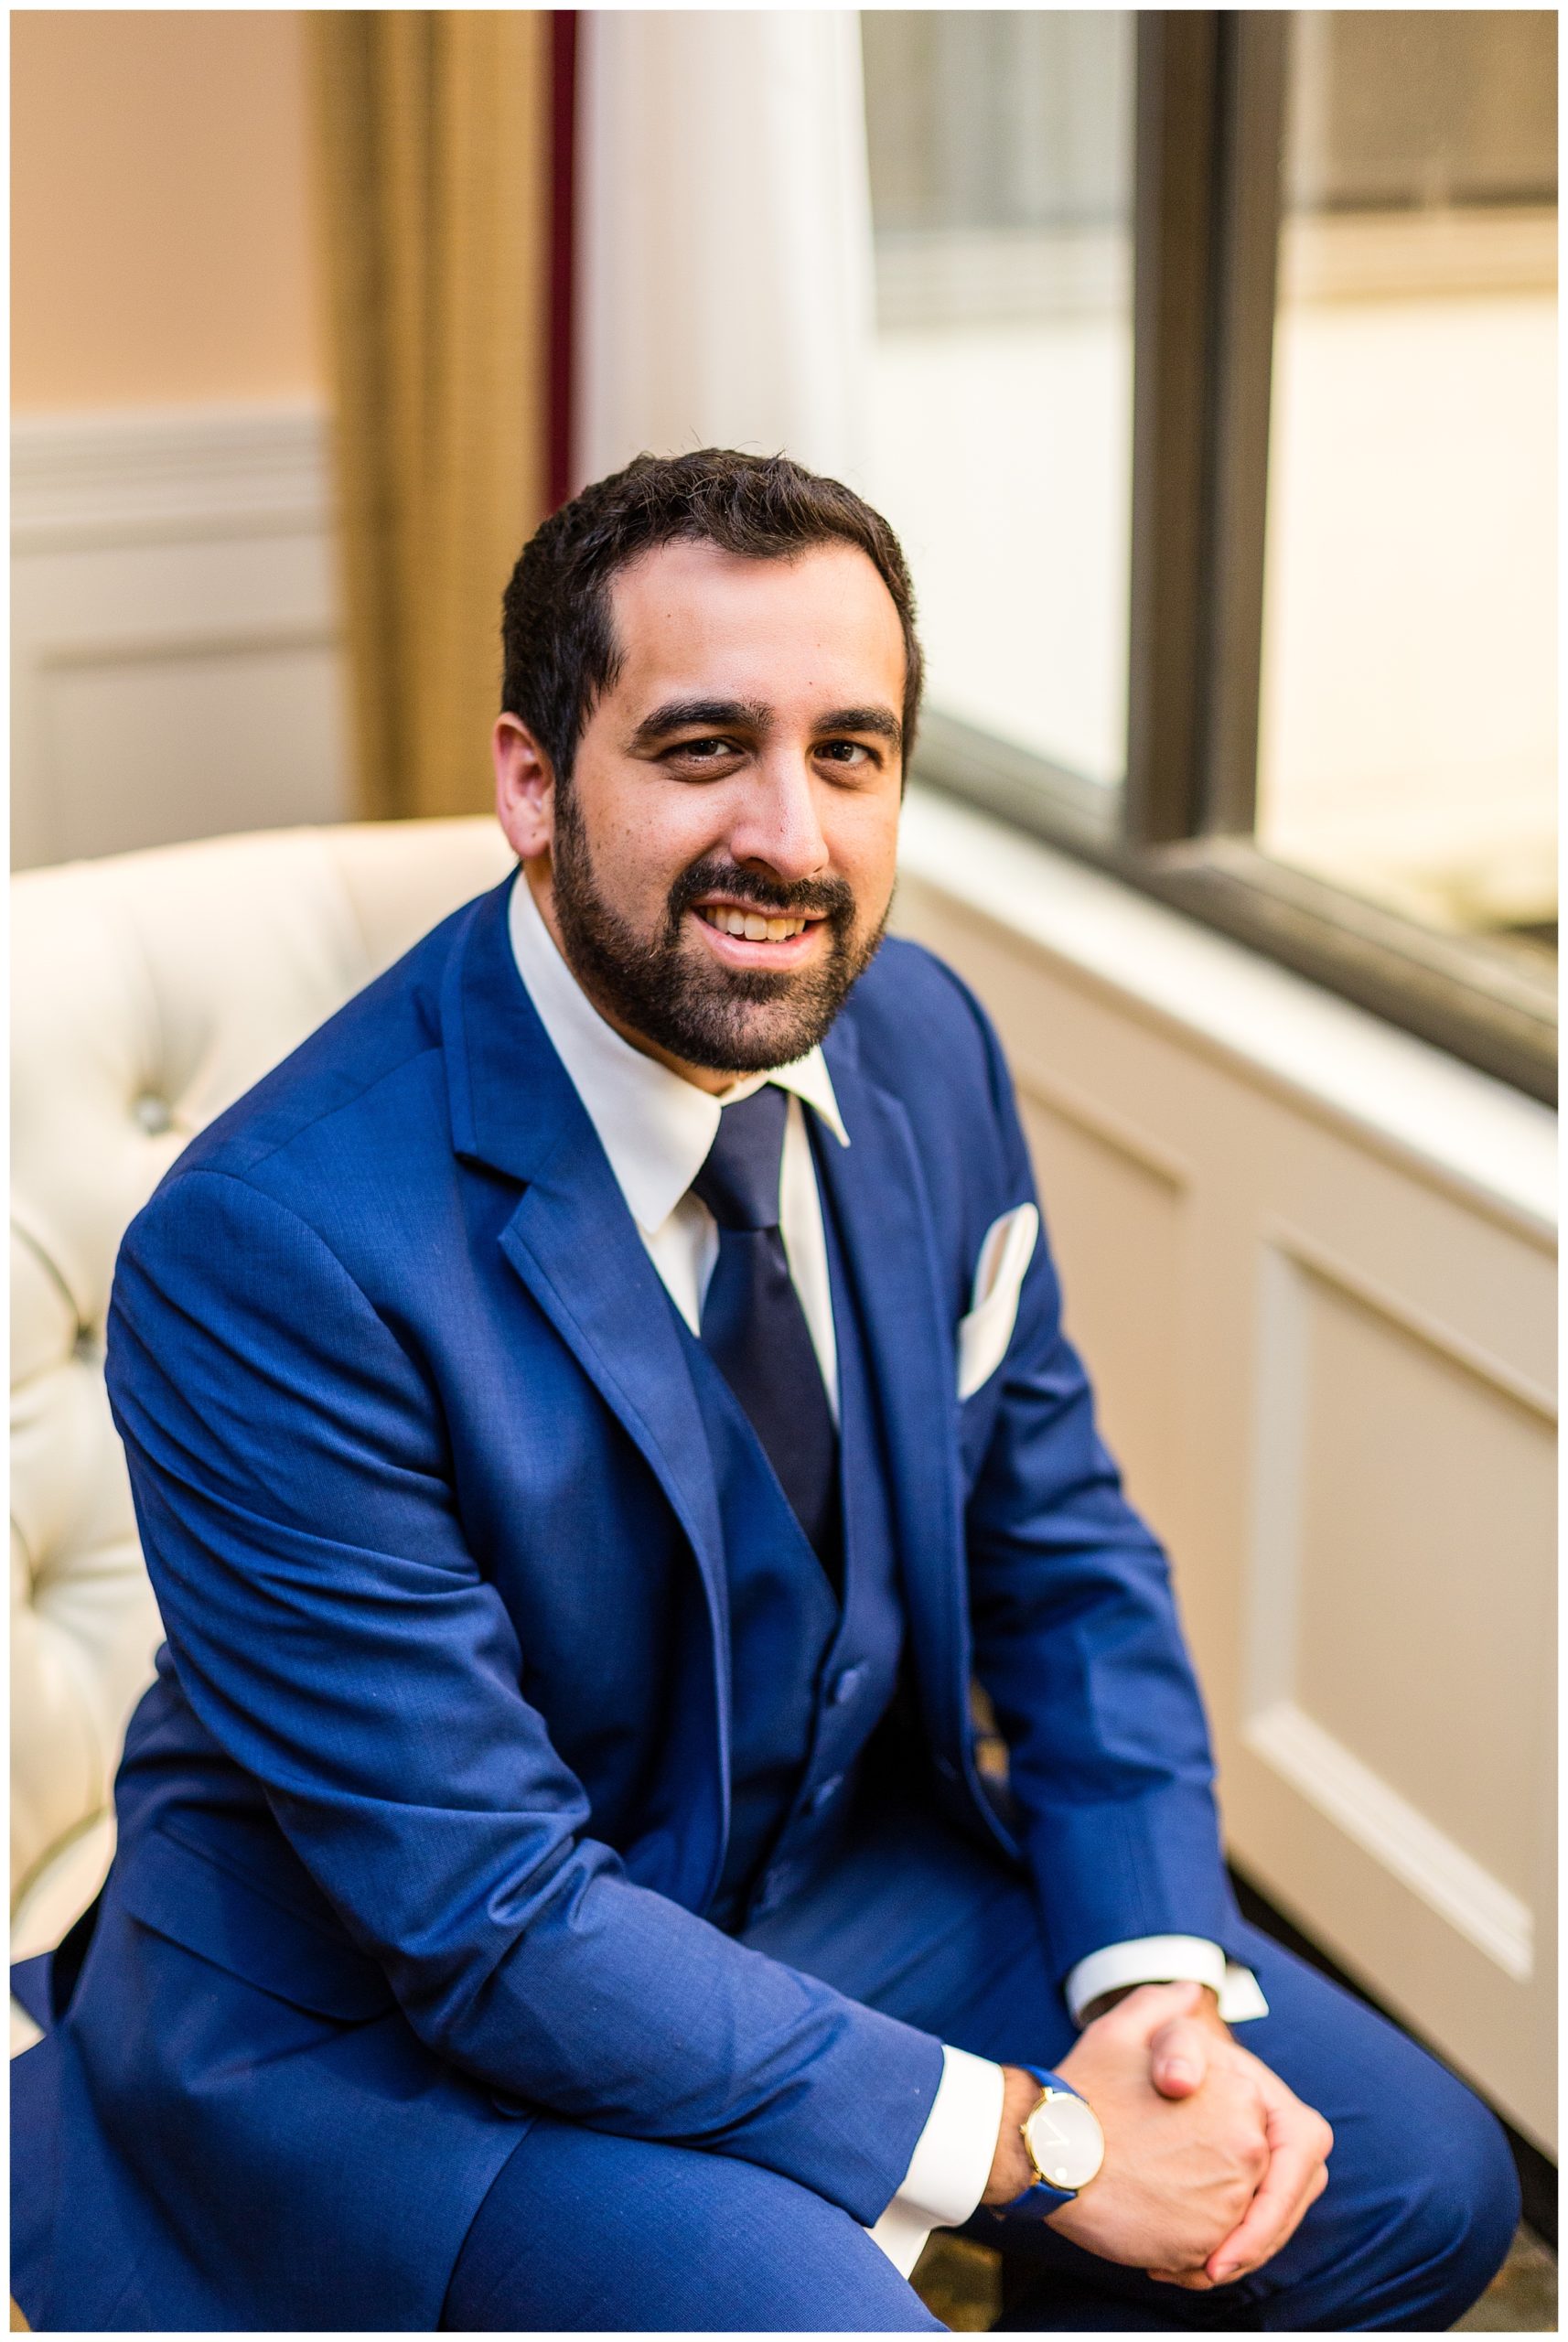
x,y
744,773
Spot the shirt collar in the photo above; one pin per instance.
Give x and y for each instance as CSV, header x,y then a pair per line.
x,y
655,1127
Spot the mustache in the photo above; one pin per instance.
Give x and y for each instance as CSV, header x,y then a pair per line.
x,y
828,899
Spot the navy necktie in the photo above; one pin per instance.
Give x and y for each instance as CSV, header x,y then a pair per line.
x,y
754,1327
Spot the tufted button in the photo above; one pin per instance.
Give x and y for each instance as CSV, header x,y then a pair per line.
x,y
825,1792
152,1114
846,1685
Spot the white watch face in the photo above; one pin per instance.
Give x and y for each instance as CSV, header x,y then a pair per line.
x,y
1066,2140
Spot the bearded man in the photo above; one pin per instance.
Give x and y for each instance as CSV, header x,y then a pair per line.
x,y
594,1412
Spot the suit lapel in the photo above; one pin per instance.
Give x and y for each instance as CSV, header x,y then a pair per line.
x,y
877,1190
572,1241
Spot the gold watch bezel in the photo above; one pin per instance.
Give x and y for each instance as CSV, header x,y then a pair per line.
x,y
1044,2178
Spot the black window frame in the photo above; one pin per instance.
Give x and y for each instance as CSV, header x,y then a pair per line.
x,y
1210,88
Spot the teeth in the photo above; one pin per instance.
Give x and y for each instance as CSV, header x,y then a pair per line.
x,y
752,925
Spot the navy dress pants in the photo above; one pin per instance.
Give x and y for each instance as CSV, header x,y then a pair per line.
x,y
583,2232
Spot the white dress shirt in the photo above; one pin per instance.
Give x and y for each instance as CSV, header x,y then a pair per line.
x,y
656,1130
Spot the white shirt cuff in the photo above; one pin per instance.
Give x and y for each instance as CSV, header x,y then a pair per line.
x,y
951,2161
1167,1959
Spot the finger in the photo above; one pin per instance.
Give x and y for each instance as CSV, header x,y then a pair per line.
x,y
1234,2270
1143,2011
1191,2281
1295,2177
1178,2057
1300,2142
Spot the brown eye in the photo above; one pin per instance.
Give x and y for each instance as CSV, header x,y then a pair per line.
x,y
703,751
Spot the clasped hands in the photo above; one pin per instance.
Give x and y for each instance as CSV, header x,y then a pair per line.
x,y
1210,2162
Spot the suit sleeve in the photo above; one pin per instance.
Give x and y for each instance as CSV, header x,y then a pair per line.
x,y
334,1634
1078,1643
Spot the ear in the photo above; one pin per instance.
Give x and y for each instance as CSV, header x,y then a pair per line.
x,y
525,788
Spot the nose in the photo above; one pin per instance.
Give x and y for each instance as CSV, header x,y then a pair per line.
x,y
779,823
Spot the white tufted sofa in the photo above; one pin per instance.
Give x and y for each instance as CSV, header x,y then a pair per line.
x,y
148,991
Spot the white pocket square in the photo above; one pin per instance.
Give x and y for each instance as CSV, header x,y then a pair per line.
x,y
984,1334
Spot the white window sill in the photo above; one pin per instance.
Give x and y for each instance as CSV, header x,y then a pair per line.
x,y
1497,1145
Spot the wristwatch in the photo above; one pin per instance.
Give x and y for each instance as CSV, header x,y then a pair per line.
x,y
1063,2140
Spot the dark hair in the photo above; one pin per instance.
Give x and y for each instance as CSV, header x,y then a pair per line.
x,y
557,638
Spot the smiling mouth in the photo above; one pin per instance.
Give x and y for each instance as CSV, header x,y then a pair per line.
x,y
754,927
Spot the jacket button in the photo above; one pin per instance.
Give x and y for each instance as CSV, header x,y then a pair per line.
x,y
846,1685
771,1892
825,1792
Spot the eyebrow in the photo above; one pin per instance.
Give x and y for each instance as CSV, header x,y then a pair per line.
x,y
879,720
756,715
680,715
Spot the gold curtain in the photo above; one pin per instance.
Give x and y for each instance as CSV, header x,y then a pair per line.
x,y
432,183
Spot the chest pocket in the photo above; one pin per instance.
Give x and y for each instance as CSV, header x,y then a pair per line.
x,y
984,1334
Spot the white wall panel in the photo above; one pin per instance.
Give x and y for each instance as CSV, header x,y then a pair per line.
x,y
176,667
1385,1534
1124,1307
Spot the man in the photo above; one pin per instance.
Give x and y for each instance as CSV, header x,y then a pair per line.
x,y
592,1410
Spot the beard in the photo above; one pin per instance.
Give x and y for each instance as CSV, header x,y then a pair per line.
x,y
726,1020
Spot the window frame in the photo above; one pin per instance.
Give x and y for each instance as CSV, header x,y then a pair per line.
x,y
1210,88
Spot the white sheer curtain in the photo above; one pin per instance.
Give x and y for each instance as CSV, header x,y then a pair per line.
x,y
724,258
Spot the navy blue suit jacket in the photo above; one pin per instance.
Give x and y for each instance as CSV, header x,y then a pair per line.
x,y
436,1761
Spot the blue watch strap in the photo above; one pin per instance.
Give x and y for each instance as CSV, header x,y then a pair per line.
x,y
1042,2196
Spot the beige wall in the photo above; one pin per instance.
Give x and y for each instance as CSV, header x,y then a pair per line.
x,y
161,243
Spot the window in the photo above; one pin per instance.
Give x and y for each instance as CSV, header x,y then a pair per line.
x,y
1407,746
1214,396
1001,386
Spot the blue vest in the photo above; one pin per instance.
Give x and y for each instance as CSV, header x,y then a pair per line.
x,y
808,1680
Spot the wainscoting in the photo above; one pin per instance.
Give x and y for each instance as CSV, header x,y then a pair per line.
x,y
1310,1261
176,671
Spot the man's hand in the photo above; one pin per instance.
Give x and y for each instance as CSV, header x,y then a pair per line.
x,y
1179,2173
1300,2142
1230,2177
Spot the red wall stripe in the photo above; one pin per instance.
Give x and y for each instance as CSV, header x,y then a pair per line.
x,y
563,305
